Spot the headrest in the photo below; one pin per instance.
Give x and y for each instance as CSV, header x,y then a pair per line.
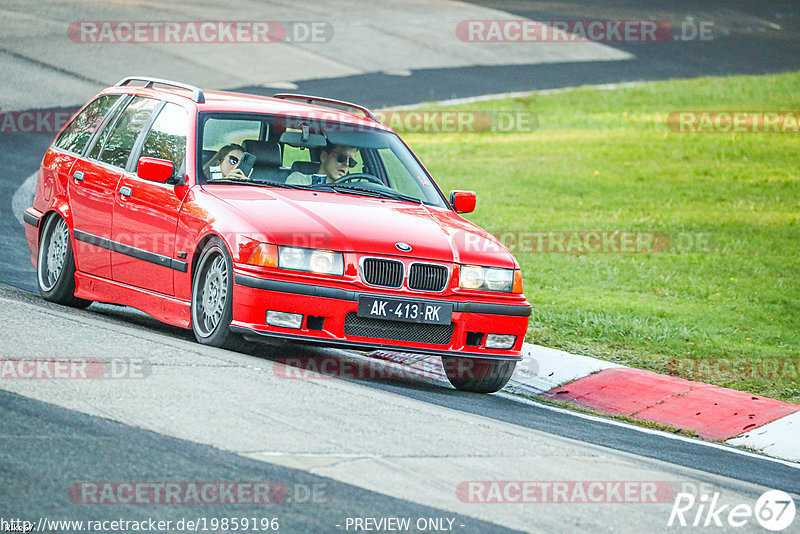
x,y
267,153
306,167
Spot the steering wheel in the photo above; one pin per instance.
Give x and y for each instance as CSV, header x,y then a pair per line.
x,y
359,176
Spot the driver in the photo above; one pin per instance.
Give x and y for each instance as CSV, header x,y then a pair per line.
x,y
225,164
335,162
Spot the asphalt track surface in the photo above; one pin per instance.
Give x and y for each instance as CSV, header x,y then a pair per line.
x,y
689,452
45,448
96,449
744,42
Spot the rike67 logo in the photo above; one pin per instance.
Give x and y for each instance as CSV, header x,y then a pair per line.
x,y
774,510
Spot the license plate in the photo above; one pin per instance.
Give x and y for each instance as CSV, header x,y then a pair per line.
x,y
409,311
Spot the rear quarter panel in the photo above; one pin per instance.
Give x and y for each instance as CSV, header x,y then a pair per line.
x,y
51,194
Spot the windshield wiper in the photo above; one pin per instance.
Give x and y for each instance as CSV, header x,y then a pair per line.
x,y
377,193
284,185
227,181
259,183
333,188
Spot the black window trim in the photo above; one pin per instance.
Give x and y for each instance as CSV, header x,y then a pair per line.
x,y
144,128
133,157
202,117
110,121
201,130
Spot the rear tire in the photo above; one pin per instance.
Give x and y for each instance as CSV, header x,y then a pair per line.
x,y
55,267
212,298
478,375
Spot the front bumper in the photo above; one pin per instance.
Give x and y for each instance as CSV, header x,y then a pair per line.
x,y
329,318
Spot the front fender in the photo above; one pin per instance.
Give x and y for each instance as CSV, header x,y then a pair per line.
x,y
203,216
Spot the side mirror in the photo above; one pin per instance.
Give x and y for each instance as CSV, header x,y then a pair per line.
x,y
463,201
154,169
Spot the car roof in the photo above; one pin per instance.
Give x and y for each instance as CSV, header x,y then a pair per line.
x,y
227,101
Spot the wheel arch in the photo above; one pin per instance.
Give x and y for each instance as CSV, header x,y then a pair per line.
x,y
201,244
63,289
220,335
59,207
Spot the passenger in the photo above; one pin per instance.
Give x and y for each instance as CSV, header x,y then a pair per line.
x,y
225,164
335,162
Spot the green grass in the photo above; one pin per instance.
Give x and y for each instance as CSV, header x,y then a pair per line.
x,y
605,160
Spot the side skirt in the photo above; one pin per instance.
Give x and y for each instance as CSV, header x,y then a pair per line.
x,y
162,307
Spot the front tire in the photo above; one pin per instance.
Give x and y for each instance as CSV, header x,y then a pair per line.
x,y
478,375
55,267
212,297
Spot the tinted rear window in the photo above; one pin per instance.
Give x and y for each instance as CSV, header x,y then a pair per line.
x,y
85,124
119,144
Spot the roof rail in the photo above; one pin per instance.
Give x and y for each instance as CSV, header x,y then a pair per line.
x,y
197,93
311,99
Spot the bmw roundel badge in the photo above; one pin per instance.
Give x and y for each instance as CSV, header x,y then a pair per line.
x,y
403,247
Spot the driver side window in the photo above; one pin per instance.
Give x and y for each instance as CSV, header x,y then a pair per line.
x,y
167,137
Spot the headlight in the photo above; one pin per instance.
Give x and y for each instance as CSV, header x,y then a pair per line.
x,y
471,277
499,279
291,258
490,279
311,260
322,261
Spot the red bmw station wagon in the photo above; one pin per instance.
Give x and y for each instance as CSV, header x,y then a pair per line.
x,y
292,217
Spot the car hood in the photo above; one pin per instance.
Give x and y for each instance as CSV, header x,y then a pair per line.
x,y
365,225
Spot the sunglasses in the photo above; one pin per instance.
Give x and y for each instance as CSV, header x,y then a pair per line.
x,y
344,158
233,160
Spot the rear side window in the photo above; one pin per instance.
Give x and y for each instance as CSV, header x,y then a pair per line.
x,y
100,140
119,144
167,137
85,124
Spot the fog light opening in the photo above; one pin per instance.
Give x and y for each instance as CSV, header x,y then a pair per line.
x,y
500,341
284,319
474,339
315,323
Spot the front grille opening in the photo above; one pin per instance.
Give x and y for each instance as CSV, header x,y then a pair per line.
x,y
474,339
434,334
385,273
428,277
315,323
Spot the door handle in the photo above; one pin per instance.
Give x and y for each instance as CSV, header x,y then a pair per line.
x,y
125,191
78,175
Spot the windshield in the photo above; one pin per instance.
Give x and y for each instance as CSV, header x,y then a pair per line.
x,y
304,153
